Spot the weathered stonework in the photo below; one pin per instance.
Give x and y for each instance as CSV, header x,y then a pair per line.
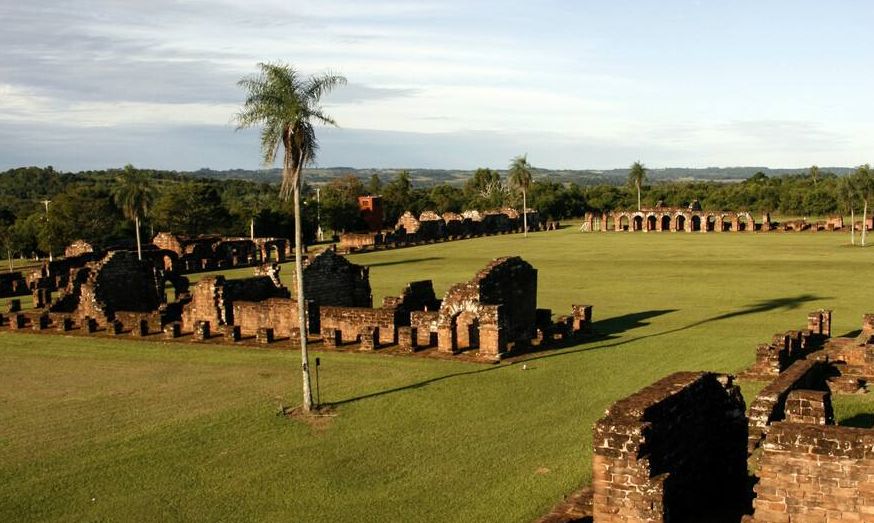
x,y
815,473
674,451
331,279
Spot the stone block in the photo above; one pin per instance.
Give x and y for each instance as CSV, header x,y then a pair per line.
x,y
264,335
201,330
233,333
173,330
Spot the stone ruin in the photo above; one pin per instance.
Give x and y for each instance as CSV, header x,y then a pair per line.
x,y
430,226
218,252
674,451
679,450
693,219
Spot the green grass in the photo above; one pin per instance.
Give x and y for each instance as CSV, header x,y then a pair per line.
x,y
151,430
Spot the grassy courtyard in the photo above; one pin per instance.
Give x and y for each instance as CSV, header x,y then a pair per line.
x,y
94,429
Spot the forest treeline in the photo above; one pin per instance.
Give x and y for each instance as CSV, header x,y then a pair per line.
x,y
81,205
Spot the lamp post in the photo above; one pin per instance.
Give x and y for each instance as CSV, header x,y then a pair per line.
x,y
46,203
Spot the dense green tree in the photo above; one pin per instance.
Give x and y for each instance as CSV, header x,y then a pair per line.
x,y
446,198
397,196
191,208
374,186
339,204
287,107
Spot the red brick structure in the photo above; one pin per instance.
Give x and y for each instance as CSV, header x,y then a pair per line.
x,y
212,299
674,451
371,211
497,307
815,473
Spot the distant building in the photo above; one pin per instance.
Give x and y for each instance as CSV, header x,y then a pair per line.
x,y
370,208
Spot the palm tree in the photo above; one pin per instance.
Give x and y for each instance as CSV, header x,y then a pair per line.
x,y
286,106
847,197
636,178
520,177
814,173
134,195
864,189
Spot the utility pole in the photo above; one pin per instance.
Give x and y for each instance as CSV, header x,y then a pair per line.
x,y
46,203
319,233
252,229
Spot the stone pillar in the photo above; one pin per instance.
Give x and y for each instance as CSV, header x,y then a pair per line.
x,y
447,340
582,318
491,344
827,323
233,333
65,324
868,324
332,338
89,324
17,321
264,335
141,328
41,322
201,330
814,322
407,339
369,337
115,327
14,306
173,330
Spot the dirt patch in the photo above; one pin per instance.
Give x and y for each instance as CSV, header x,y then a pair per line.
x,y
318,420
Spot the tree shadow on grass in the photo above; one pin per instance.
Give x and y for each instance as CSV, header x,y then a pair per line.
x,y
403,262
864,420
607,330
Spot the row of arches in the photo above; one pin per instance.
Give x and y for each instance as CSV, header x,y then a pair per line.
x,y
680,221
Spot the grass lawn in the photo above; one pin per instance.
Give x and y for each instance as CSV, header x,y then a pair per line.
x,y
94,429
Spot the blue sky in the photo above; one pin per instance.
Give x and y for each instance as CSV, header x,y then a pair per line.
x,y
587,84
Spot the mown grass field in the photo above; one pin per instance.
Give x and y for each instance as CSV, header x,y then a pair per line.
x,y
94,429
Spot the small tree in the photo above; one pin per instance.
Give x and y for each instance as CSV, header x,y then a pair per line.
x,y
134,195
520,178
636,178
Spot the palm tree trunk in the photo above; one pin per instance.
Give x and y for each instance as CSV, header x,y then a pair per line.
x,y
139,245
852,226
301,304
638,196
9,255
524,214
864,222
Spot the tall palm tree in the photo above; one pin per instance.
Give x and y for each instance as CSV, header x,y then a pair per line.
x,y
134,195
636,178
814,173
847,198
286,106
520,177
864,189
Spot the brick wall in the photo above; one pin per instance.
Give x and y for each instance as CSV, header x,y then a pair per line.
x,y
815,474
331,279
350,320
280,314
119,282
769,405
674,451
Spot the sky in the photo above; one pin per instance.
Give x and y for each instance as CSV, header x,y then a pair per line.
x,y
92,84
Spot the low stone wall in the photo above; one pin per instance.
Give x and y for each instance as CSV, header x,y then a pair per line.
x,y
279,314
350,320
769,405
815,473
675,447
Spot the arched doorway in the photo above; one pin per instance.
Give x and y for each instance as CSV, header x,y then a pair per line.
x,y
651,222
696,223
638,223
726,223
666,223
466,325
681,223
623,223
711,223
743,223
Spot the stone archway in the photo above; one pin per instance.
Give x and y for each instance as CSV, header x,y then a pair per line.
x,y
637,222
680,223
666,222
696,223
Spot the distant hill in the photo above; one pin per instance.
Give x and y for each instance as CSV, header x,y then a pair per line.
x,y
426,177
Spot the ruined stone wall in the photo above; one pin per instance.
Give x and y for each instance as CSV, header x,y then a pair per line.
x,y
78,248
280,314
120,282
331,279
815,473
408,223
170,242
13,284
769,405
350,320
357,240
416,296
674,451
212,298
